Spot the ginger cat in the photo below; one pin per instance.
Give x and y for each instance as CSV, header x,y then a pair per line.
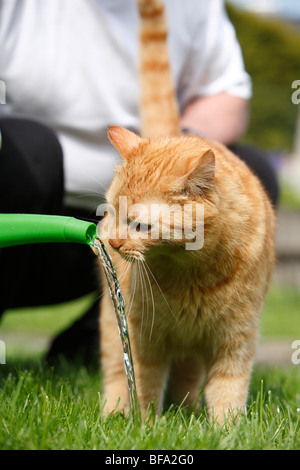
x,y
193,314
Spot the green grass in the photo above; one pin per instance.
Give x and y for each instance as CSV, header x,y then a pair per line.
x,y
60,408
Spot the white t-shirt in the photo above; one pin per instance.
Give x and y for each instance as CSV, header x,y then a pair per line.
x,y
72,64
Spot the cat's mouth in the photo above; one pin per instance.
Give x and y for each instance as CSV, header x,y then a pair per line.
x,y
132,255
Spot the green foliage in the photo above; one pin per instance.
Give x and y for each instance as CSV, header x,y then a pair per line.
x,y
271,53
50,409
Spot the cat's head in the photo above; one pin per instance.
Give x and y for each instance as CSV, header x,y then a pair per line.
x,y
159,195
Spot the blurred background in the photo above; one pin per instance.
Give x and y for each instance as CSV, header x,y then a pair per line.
x,y
269,34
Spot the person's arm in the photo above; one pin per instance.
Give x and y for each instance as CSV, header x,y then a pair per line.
x,y
222,117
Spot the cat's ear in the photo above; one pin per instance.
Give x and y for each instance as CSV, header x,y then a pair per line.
x,y
201,178
126,142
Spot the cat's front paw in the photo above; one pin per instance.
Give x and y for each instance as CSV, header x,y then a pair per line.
x,y
114,404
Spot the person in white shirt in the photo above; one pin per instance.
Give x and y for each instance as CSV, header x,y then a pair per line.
x,y
70,70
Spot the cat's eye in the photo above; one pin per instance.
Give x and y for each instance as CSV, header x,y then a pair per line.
x,y
143,227
138,226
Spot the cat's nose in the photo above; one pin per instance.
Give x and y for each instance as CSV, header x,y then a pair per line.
x,y
115,243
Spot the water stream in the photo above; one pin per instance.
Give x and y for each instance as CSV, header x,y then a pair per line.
x,y
119,306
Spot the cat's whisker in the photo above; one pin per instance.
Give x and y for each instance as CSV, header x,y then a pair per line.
x,y
132,293
143,271
145,291
145,286
88,194
121,276
147,266
153,303
98,182
142,288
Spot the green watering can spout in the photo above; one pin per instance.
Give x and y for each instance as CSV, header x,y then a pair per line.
x,y
25,229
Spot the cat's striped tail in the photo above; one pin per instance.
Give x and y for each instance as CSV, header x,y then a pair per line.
x,y
158,105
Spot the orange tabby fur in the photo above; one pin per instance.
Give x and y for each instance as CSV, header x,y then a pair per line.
x,y
192,315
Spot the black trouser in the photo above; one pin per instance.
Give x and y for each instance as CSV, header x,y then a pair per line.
x,y
261,167
31,181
